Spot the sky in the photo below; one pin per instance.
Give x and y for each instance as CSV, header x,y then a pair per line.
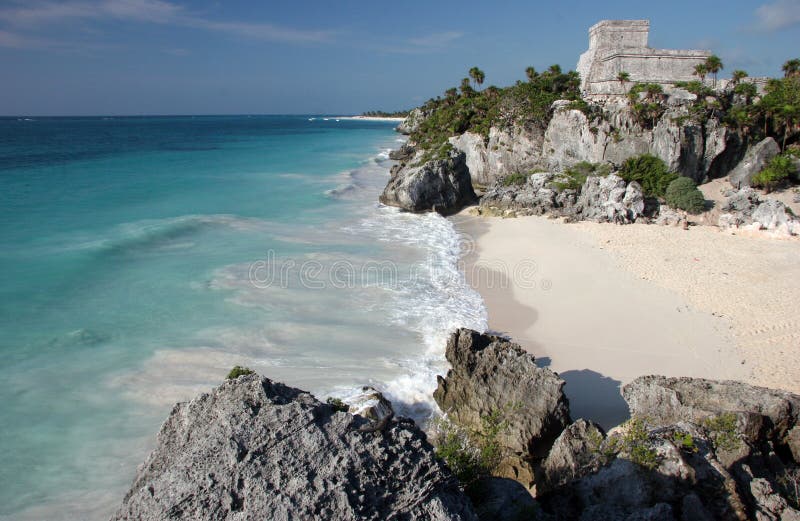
x,y
125,57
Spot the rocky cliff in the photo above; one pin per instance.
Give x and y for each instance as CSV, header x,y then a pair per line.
x,y
694,449
257,449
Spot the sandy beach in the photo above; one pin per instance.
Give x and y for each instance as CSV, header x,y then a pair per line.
x,y
602,304
371,118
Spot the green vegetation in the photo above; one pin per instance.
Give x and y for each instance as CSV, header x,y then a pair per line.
x,y
779,169
477,76
650,172
647,102
722,431
636,442
238,371
515,179
573,178
714,65
337,404
683,194
382,114
471,455
525,103
684,441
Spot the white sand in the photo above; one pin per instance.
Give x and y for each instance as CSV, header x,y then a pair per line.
x,y
370,118
609,303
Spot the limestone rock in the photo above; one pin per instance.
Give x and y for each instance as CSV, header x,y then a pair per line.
x,y
669,216
489,375
441,185
609,199
534,197
773,215
370,403
257,449
575,453
403,154
762,413
412,122
754,161
503,152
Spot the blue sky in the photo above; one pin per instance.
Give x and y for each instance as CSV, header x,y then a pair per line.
x,y
83,57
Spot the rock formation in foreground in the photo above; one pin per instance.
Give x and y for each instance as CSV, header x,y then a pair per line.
x,y
256,449
694,449
491,374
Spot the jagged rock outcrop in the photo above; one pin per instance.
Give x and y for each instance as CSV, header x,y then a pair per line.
x,y
698,449
610,199
441,185
601,199
575,453
492,375
403,154
764,415
745,209
371,404
754,161
412,122
257,449
505,151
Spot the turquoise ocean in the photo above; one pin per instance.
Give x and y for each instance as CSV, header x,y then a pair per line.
x,y
142,257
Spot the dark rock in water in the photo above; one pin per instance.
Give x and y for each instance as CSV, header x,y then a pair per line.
x,y
441,185
257,449
403,154
754,161
491,375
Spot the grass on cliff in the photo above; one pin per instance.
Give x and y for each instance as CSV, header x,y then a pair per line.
x,y
573,178
525,103
238,371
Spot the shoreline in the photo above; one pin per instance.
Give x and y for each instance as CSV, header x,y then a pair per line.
x,y
369,118
594,322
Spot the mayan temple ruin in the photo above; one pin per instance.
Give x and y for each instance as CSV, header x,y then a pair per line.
x,y
621,45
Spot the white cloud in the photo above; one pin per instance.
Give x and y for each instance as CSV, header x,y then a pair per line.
x,y
436,39
151,11
779,14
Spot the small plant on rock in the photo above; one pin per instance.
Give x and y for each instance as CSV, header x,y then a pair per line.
x,y
636,442
683,194
573,178
515,179
684,441
238,371
337,404
779,169
722,431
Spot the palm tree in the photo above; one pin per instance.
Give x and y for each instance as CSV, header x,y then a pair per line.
x,y
466,88
554,69
530,72
701,70
737,76
714,65
792,68
623,78
477,75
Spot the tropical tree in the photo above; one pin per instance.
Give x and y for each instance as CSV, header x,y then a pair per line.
x,y
466,87
791,68
554,69
623,78
714,65
477,76
737,76
530,72
700,70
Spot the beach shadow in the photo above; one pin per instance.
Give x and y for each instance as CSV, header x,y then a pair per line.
x,y
595,397
543,361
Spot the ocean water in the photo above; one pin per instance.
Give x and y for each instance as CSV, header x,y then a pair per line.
x,y
141,258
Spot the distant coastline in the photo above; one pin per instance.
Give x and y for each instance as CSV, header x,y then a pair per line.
x,y
373,118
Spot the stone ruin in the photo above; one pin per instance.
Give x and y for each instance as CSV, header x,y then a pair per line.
x,y
621,45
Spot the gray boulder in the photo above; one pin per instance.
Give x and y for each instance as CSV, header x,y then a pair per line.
x,y
491,375
610,199
441,185
534,197
402,154
762,414
754,161
773,215
575,454
257,449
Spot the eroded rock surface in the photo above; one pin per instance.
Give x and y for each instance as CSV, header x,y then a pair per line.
x,y
256,449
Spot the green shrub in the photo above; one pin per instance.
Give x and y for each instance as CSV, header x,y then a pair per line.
x,y
573,178
337,404
684,195
779,169
722,431
238,371
515,179
650,172
636,442
685,441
